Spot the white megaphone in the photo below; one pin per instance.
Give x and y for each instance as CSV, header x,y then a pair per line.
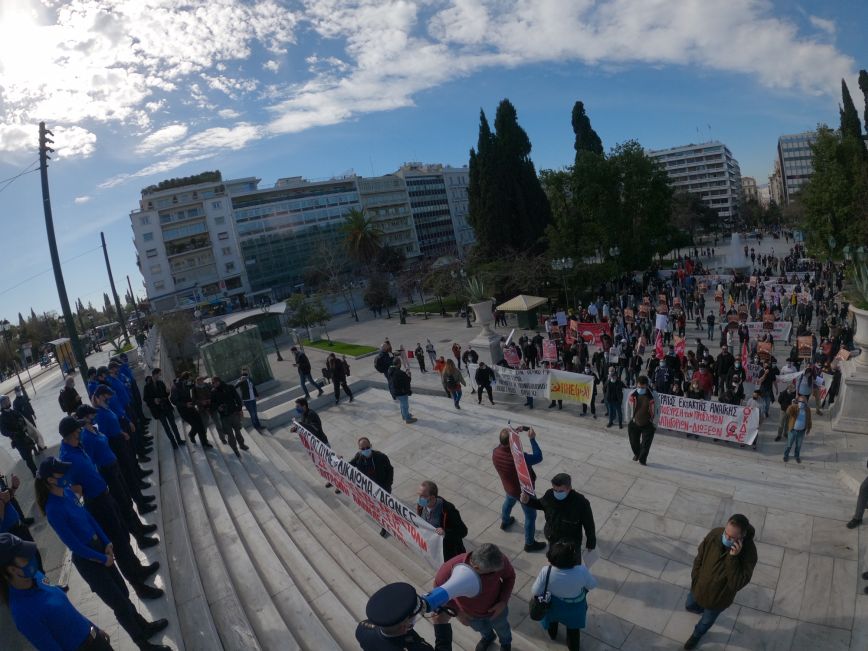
x,y
464,582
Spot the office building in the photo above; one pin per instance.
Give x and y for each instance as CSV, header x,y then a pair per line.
x,y
186,247
707,170
795,160
386,202
749,190
776,185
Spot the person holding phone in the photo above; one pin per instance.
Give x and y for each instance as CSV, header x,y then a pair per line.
x,y
723,565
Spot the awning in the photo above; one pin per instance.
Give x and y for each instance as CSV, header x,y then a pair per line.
x,y
522,303
58,342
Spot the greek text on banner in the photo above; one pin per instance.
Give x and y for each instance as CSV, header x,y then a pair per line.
x,y
714,420
572,387
390,513
517,382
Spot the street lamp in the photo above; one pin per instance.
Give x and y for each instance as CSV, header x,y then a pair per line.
x,y
563,265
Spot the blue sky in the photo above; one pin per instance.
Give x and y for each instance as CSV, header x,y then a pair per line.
x,y
139,90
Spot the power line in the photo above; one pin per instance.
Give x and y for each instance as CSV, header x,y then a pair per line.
x,y
45,271
25,170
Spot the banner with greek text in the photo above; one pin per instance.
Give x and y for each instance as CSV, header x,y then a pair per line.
x,y
780,330
714,420
550,350
521,469
387,511
517,382
571,387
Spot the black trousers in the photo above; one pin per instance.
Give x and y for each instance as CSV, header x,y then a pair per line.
x,y
25,449
338,384
108,585
641,437
129,465
487,389
118,489
194,420
108,516
170,427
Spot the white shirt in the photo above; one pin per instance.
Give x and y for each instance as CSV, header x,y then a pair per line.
x,y
565,584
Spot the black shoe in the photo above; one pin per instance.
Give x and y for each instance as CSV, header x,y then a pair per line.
x,y
635,457
155,626
147,591
535,546
207,445
483,644
149,528
147,499
183,442
145,473
144,645
144,458
244,447
65,588
144,543
505,647
149,570
27,521
384,533
319,394
865,575
643,463
553,631
691,643
147,508
175,446
778,438
237,453
328,485
506,525
351,398
855,522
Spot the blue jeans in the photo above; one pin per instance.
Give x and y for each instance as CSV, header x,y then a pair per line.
x,y
710,331
304,378
456,397
614,407
250,405
766,399
491,626
529,518
404,401
708,616
795,436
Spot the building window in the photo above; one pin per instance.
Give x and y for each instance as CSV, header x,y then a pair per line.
x,y
216,205
226,250
220,220
159,285
144,220
156,269
223,236
151,253
230,266
148,237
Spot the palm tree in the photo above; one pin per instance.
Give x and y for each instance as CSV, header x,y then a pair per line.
x,y
363,238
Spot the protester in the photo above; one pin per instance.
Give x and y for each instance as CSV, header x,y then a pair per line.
x,y
456,353
249,394
302,363
641,426
376,465
785,399
484,378
432,353
453,380
501,457
225,398
487,613
567,512
399,384
798,426
69,399
567,583
339,369
419,354
723,565
613,394
443,516
159,403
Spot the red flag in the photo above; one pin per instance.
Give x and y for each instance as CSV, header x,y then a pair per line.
x,y
680,347
744,355
658,345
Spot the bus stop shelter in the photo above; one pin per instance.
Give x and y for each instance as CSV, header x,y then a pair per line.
x,y
526,309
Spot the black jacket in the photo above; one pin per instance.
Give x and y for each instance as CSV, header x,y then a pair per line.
x,y
244,388
69,400
313,424
400,382
484,376
22,405
226,399
303,363
12,426
566,518
377,467
454,530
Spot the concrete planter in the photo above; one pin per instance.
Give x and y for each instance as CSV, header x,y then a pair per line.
x,y
860,336
851,414
483,316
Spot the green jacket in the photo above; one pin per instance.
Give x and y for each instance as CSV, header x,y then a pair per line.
x,y
717,575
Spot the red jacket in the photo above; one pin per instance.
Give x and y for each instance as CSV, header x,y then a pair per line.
x,y
496,587
504,464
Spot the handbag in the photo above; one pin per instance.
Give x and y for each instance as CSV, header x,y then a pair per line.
x,y
539,604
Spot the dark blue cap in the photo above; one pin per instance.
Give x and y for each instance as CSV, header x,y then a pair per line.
x,y
52,466
84,410
103,390
392,604
12,546
68,425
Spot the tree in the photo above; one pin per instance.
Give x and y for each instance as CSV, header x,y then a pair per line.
x,y
390,260
850,125
378,295
508,208
863,86
20,320
306,312
689,214
363,238
586,138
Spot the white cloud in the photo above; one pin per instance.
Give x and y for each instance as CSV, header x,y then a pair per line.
x,y
228,114
80,200
272,65
161,138
73,142
824,24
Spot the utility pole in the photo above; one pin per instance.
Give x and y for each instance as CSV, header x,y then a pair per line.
x,y
120,311
135,304
44,150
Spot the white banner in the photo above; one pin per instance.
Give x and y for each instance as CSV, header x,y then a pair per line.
x,y
781,289
780,332
388,511
517,382
714,420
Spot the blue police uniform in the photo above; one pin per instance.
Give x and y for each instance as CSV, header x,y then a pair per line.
x,y
45,617
92,386
120,389
11,518
370,637
83,471
108,424
97,447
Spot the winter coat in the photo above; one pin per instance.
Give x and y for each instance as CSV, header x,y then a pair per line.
x,y
454,529
484,377
566,518
225,399
717,575
452,381
377,467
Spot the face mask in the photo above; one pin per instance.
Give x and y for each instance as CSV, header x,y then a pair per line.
x,y
737,365
299,411
367,453
422,501
641,392
726,541
560,495
30,569
63,482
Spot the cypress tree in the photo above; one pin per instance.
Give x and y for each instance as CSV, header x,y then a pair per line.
x,y
850,125
21,322
863,86
586,138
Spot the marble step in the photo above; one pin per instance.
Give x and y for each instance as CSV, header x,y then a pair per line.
x,y
269,627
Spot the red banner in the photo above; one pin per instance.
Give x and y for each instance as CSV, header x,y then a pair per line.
x,y
550,350
658,346
511,357
680,346
521,468
593,333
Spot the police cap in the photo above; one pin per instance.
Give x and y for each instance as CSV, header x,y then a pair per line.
x,y
52,466
392,604
12,546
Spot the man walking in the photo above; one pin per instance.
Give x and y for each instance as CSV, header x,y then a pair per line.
x,y
443,516
567,512
798,426
723,566
249,394
432,354
501,457
613,393
484,378
641,426
785,399
376,466
486,613
302,363
399,383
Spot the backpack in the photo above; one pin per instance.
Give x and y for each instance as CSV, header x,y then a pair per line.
x,y
382,362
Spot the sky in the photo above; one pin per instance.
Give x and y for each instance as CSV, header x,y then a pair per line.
x,y
136,91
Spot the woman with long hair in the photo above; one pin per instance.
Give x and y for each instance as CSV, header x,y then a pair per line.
x,y
92,551
452,382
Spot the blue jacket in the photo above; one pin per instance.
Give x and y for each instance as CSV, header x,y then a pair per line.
x,y
83,471
108,423
97,447
121,392
45,617
75,526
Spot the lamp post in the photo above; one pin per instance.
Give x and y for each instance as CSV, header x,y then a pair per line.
x,y
563,265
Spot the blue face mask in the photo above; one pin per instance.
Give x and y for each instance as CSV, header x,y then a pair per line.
x,y
560,495
641,392
726,541
367,453
31,568
299,411
63,482
422,501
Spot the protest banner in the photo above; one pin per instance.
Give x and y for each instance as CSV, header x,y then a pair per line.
x,y
550,351
780,330
562,318
386,510
521,469
661,321
764,349
510,354
517,382
628,315
805,346
781,381
593,333
714,420
571,387
843,355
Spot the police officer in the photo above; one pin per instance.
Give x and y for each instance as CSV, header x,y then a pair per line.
x,y
92,552
117,401
102,506
41,611
110,425
12,518
392,610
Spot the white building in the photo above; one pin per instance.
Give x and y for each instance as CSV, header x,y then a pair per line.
x,y
749,189
795,160
707,170
387,204
186,245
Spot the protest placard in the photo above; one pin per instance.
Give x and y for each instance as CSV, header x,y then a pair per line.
x,y
521,469
843,355
764,349
593,333
571,387
780,330
805,346
386,510
550,350
510,354
517,382
715,420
